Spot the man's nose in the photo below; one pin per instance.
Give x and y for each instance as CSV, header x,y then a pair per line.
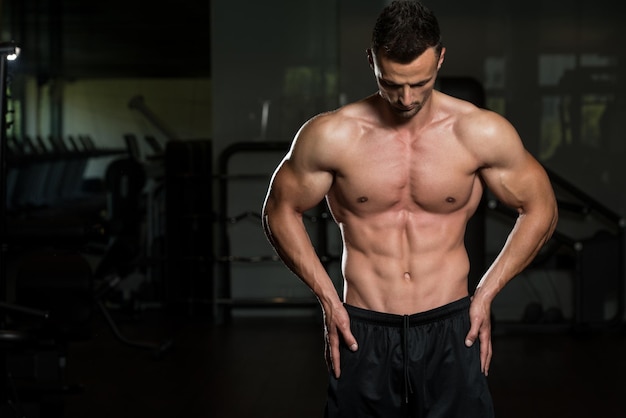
x,y
405,95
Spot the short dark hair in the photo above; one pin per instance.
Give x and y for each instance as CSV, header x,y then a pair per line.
x,y
404,30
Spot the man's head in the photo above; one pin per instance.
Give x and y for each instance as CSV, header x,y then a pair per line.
x,y
406,55
404,30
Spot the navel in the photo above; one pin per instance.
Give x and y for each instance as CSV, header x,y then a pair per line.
x,y
362,199
407,276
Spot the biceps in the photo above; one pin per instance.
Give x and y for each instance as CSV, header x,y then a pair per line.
x,y
520,186
297,190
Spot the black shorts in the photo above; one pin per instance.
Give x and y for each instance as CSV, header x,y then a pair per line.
x,y
410,366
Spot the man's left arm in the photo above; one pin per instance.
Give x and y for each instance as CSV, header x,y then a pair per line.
x,y
519,181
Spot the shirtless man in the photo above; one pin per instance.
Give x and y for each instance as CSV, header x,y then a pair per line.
x,y
402,171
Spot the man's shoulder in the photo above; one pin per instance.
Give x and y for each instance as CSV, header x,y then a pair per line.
x,y
358,111
344,121
327,137
459,109
485,133
471,120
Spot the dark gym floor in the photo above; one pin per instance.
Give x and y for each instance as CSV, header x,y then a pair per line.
x,y
273,367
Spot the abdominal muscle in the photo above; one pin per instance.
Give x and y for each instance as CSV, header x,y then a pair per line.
x,y
404,263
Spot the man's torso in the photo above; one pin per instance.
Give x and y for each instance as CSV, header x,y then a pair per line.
x,y
402,199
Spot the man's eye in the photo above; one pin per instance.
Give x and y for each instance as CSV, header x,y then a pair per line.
x,y
388,84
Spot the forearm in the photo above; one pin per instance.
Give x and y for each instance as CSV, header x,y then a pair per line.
x,y
530,233
287,234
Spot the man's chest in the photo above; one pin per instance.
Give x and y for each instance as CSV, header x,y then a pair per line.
x,y
436,178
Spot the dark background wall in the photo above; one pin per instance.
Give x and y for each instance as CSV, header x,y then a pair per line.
x,y
255,71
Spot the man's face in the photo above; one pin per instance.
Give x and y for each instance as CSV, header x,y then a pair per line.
x,y
406,87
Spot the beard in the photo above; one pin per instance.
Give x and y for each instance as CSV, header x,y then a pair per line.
x,y
403,112
407,113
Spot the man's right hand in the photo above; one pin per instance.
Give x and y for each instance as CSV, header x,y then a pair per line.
x,y
336,329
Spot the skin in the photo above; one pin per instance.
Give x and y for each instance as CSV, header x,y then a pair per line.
x,y
403,171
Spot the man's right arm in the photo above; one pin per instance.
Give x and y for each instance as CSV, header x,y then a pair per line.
x,y
287,199
299,184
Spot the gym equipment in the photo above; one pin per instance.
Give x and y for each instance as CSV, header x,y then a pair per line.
x,y
14,339
124,255
189,217
597,261
230,256
600,263
138,103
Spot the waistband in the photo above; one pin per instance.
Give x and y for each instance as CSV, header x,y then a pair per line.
x,y
421,318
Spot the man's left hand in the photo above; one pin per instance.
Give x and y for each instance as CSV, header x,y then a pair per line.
x,y
480,327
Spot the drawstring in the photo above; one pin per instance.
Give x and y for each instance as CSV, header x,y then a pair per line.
x,y
405,348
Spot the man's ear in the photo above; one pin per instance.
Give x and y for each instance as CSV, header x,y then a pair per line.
x,y
370,58
441,58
